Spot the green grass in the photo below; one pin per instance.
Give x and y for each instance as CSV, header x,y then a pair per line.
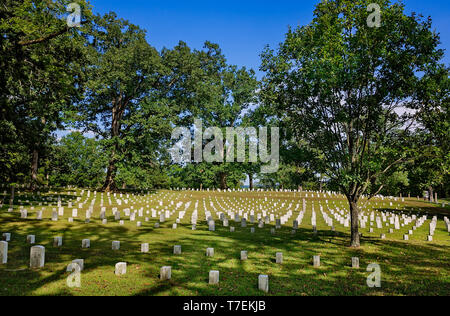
x,y
414,267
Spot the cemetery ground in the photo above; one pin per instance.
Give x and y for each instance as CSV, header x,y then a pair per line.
x,y
408,267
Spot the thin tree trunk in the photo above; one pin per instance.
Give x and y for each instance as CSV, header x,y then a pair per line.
x,y
223,181
34,169
354,212
250,176
11,200
110,184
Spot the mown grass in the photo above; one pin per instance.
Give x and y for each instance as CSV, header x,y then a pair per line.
x,y
414,267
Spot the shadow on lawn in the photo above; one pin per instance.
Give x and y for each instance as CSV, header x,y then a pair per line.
x,y
408,272
408,275
406,269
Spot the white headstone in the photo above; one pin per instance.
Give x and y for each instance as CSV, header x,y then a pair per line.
x,y
86,243
121,268
3,252
31,239
115,245
210,252
165,273
213,277
57,242
37,257
177,250
145,248
263,283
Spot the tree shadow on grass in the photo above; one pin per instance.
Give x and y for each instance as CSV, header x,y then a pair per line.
x,y
406,272
407,269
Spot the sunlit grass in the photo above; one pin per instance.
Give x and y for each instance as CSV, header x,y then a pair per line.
x,y
414,267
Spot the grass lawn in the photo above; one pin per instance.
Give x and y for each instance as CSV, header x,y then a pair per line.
x,y
414,267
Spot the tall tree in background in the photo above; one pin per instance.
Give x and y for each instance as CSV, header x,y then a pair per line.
x,y
135,94
123,68
431,170
78,161
354,91
222,96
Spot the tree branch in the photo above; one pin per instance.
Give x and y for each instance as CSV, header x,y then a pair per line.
x,y
48,37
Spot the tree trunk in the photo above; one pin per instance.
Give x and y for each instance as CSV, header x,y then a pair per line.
x,y
354,212
110,183
117,112
430,191
11,200
223,181
250,176
34,169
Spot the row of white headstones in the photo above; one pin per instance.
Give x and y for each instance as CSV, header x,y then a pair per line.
x,y
37,254
239,207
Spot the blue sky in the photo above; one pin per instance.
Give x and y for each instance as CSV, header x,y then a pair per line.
x,y
241,28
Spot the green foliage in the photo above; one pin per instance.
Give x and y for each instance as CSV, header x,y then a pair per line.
x,y
220,96
352,92
396,184
206,176
77,161
135,94
41,74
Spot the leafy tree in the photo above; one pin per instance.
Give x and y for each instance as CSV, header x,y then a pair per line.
x,y
431,167
353,92
395,184
429,170
78,161
40,78
223,96
132,93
